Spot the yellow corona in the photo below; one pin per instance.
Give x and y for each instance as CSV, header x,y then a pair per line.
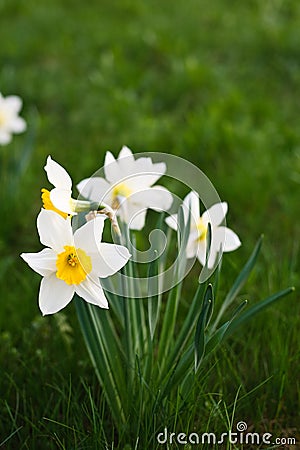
x,y
120,190
47,204
202,230
73,265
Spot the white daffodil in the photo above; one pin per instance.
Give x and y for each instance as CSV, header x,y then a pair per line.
x,y
10,122
73,263
222,238
60,198
127,188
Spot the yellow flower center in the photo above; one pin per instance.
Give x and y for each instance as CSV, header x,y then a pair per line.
x,y
120,190
47,204
73,265
2,118
202,230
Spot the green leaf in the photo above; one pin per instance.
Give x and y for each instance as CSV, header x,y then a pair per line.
x,y
153,298
187,326
219,335
201,325
106,355
208,243
239,282
209,295
255,309
216,338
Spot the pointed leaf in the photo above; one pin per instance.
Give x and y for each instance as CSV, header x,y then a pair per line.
x,y
218,336
255,309
239,282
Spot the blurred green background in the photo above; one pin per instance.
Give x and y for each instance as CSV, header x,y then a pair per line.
x,y
217,83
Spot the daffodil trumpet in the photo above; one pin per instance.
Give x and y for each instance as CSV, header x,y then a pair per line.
x,y
59,199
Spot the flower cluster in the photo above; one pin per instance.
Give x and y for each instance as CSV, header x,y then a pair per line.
x,y
75,262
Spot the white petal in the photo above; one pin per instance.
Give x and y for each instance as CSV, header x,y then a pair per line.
x,y
88,237
162,198
13,103
229,240
193,245
144,173
54,295
191,201
111,169
95,189
5,137
91,291
215,214
171,221
126,162
158,198
132,214
17,125
137,220
212,258
145,165
216,246
54,231
43,262
57,175
109,259
223,239
125,153
137,174
61,199
201,252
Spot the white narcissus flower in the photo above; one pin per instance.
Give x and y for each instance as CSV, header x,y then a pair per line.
x,y
127,188
222,238
60,198
73,263
10,122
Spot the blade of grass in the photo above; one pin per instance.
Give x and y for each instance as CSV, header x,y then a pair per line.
x,y
239,282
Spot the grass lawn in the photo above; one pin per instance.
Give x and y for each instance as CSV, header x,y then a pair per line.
x,y
217,83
